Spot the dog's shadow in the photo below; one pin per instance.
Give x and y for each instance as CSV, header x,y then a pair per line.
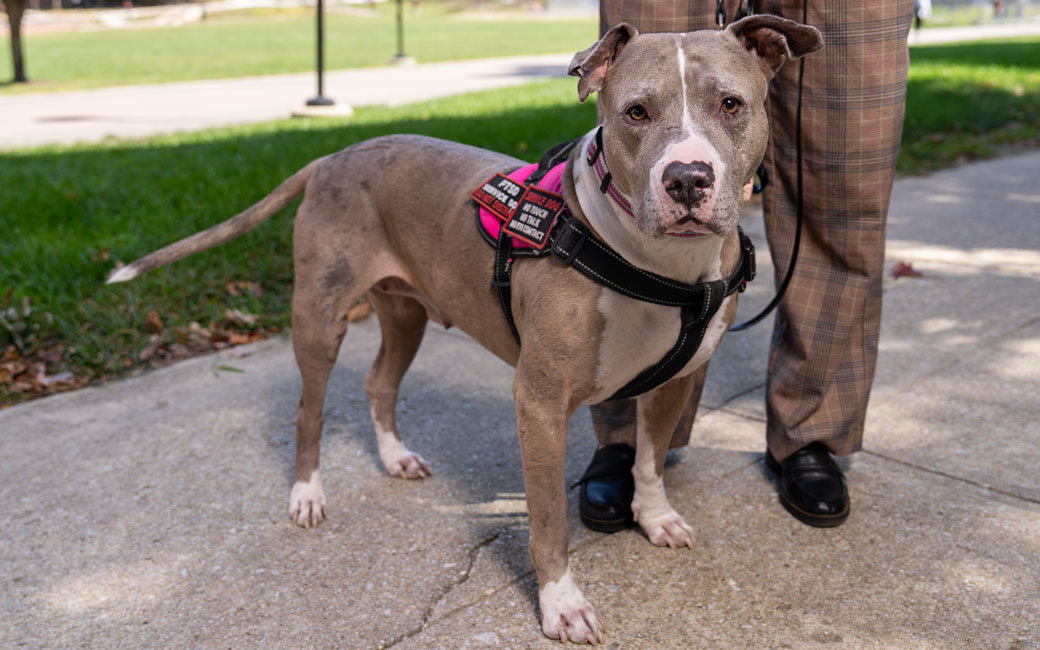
x,y
455,408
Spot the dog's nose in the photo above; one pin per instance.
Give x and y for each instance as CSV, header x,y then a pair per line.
x,y
686,182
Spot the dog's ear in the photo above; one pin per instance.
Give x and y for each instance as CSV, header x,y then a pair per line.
x,y
774,39
591,65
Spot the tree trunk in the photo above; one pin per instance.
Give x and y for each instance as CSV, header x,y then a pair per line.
x,y
15,9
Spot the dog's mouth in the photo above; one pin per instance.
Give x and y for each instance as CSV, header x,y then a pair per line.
x,y
688,227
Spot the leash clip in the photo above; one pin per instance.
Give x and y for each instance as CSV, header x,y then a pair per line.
x,y
747,255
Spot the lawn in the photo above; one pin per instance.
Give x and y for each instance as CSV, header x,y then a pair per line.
x,y
967,101
274,42
70,213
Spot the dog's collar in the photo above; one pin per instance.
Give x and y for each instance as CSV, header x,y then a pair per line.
x,y
595,159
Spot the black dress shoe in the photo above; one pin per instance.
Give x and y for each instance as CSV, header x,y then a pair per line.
x,y
812,487
607,489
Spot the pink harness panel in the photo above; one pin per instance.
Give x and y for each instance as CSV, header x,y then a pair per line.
x,y
552,182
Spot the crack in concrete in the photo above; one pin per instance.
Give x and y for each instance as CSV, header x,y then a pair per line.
x,y
460,580
953,477
574,548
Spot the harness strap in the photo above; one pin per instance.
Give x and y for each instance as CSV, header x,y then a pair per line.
x,y
552,157
573,243
693,325
500,278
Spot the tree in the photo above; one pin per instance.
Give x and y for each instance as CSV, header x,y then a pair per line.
x,y
15,10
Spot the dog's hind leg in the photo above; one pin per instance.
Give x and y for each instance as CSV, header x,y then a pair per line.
x,y
402,322
319,321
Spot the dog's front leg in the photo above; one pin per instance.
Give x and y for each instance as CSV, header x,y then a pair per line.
x,y
542,413
658,412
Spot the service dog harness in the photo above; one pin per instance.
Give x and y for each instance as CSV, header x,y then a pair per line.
x,y
523,214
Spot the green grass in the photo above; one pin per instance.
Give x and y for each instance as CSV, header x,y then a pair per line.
x,y
967,101
63,209
246,44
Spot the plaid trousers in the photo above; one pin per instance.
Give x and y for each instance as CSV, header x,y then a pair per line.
x,y
825,335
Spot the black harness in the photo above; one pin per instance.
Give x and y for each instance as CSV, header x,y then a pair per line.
x,y
571,242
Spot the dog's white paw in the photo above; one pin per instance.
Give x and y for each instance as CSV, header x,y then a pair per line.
x,y
307,502
665,529
398,460
566,615
411,465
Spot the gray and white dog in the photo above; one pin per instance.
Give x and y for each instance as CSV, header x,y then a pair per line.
x,y
670,103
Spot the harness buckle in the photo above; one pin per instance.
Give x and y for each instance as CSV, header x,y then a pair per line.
x,y
570,239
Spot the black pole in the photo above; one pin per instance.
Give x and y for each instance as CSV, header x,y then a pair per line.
x,y
321,99
400,29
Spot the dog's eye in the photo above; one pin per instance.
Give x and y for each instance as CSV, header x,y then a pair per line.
x,y
637,112
730,105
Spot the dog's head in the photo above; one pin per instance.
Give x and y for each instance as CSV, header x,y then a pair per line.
x,y
684,119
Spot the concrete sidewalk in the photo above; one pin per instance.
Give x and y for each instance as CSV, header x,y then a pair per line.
x,y
143,110
152,512
139,111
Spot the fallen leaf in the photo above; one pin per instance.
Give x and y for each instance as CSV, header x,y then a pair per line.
x,y
243,287
239,338
151,349
902,269
154,322
239,317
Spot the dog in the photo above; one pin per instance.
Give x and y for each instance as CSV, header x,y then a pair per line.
x,y
683,129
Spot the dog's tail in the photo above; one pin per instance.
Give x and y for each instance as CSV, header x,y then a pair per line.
x,y
220,233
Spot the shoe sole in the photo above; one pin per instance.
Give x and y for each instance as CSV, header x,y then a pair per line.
x,y
812,519
606,525
819,521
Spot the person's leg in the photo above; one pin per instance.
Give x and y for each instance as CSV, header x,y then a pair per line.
x,y
825,335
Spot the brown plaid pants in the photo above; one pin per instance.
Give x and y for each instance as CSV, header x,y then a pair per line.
x,y
825,336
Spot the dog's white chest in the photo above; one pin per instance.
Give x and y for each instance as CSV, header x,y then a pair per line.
x,y
638,334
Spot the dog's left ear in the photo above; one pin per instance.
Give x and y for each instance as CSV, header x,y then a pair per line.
x,y
592,64
774,39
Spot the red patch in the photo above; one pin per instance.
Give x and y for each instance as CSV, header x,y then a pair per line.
x,y
533,219
500,195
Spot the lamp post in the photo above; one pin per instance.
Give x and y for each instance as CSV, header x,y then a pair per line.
x,y
322,105
321,99
401,58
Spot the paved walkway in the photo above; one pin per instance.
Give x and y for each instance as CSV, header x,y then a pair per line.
x,y
143,110
139,111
